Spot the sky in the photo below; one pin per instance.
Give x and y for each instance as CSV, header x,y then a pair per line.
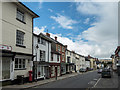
x,y
88,28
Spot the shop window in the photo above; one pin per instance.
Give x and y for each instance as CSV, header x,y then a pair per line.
x,y
5,68
40,71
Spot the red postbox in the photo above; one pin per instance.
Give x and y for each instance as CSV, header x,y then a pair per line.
x,y
30,76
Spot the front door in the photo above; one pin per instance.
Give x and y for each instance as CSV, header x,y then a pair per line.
x,y
47,72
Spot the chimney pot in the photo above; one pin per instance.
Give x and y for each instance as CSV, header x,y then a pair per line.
x,y
47,34
55,38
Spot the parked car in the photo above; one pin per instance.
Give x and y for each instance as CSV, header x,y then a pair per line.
x,y
106,73
99,70
82,70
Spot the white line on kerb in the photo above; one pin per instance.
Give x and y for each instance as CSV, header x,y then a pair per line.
x,y
96,83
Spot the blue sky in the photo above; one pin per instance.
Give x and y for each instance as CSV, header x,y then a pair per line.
x,y
67,9
88,28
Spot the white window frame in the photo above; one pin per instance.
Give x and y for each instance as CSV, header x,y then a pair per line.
x,y
42,55
20,37
62,49
23,65
43,41
59,48
20,15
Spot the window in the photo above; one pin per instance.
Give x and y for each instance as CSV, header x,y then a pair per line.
x,y
20,38
40,71
62,57
57,57
62,49
19,63
51,56
43,41
20,15
38,40
68,59
42,55
59,48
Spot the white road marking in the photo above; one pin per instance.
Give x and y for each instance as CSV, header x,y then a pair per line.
x,y
96,83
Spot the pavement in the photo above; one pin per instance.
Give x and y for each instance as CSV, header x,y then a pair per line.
x,y
41,82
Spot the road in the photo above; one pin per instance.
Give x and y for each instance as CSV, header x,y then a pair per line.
x,y
85,80
108,82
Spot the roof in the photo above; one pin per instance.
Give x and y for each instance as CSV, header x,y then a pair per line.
x,y
29,10
44,37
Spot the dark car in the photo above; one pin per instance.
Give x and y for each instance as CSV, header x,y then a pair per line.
x,y
82,70
106,73
99,70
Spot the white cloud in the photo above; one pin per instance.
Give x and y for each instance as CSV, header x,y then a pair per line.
x,y
53,27
65,22
87,21
50,10
103,35
38,31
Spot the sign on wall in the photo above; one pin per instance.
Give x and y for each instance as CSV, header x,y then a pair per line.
x,y
5,47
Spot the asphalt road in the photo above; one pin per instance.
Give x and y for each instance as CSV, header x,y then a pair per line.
x,y
85,80
108,82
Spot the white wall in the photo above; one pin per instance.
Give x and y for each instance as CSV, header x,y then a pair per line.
x,y
27,66
41,47
87,64
10,25
68,55
55,59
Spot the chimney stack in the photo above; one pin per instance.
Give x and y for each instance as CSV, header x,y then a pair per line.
x,y
66,46
55,38
47,34
89,56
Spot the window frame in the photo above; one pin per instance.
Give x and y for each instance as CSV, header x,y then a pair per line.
x,y
20,16
43,41
42,54
59,48
58,58
23,65
20,38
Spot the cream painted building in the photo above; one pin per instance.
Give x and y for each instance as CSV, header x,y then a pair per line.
x,y
93,64
16,42
69,63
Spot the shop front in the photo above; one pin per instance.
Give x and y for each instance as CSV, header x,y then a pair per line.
x,y
41,70
54,69
6,66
